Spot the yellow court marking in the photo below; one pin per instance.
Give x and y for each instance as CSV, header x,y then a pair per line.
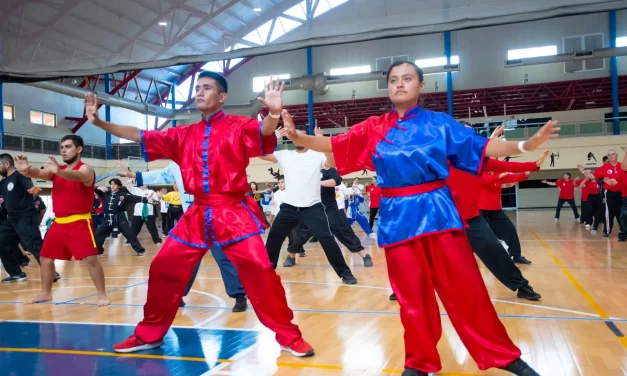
x,y
191,359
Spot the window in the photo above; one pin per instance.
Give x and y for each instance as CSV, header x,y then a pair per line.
x,y
43,118
583,43
383,64
524,53
351,70
436,61
260,82
9,112
621,42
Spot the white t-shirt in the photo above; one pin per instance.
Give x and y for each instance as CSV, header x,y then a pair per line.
x,y
302,176
277,200
149,194
164,206
340,194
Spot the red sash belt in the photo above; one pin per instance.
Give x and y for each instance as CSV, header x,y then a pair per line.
x,y
219,199
412,190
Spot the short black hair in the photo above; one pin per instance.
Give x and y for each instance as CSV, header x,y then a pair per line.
x,y
302,127
568,173
6,157
116,181
76,140
419,71
223,87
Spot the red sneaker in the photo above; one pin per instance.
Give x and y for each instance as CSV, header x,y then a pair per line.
x,y
299,348
132,344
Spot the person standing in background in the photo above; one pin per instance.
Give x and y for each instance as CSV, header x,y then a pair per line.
x,y
164,211
277,199
374,195
567,194
144,212
175,207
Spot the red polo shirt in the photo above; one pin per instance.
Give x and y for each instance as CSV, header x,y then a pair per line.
x,y
374,192
567,189
607,171
466,187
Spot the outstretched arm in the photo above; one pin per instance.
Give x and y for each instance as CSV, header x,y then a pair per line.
x,y
24,167
496,148
273,100
126,132
85,174
549,183
496,165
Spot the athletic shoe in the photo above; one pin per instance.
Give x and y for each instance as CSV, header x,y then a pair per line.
x,y
521,260
24,263
577,220
182,304
141,253
299,348
15,278
302,254
557,220
526,292
289,261
520,368
606,235
241,304
587,227
368,261
393,296
349,279
132,344
57,277
593,232
413,372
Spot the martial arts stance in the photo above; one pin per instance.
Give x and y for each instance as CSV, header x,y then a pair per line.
x,y
22,221
374,197
409,149
567,194
590,200
354,213
115,198
611,173
172,175
72,233
145,213
302,204
340,228
221,213
491,210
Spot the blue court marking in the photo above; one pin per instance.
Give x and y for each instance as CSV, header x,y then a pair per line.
x,y
617,332
108,291
210,344
358,312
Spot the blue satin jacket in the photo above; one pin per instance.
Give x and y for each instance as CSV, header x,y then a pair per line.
x,y
407,152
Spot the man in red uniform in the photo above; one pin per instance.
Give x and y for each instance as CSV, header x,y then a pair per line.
x,y
374,195
213,155
567,194
72,233
492,211
611,173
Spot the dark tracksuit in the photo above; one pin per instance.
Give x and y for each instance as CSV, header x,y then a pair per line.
x,y
115,218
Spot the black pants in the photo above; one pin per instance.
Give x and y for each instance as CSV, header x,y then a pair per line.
x,y
373,214
118,220
560,203
613,202
598,208
137,223
491,252
339,228
622,235
164,223
25,229
504,229
174,214
586,212
315,218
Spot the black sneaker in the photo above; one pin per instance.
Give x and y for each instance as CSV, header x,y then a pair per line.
x,y
413,372
393,296
521,260
349,279
241,304
141,253
25,262
520,368
57,277
289,261
606,235
15,278
526,292
182,304
368,261
302,254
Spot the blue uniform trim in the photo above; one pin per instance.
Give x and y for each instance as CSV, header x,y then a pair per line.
x,y
205,160
254,216
204,246
138,179
143,145
240,238
209,220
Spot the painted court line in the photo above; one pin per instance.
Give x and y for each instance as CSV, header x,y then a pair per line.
x,y
109,291
595,306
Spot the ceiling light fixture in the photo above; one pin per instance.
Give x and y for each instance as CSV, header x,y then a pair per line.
x,y
257,10
163,23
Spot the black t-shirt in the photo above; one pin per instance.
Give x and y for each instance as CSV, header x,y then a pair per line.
x,y
13,190
327,194
40,204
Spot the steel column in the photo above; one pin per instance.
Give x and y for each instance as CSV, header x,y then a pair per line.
x,y
310,101
173,101
449,75
614,75
108,144
2,118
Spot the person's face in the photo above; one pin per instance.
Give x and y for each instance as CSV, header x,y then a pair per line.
x,y
298,147
253,186
114,187
374,181
612,156
208,96
566,177
176,187
281,184
69,152
403,86
4,168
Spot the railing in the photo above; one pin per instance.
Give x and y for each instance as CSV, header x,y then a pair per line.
x,y
582,128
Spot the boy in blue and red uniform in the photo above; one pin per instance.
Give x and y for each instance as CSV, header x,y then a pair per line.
x,y
420,227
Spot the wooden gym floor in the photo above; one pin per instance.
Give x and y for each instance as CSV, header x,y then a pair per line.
x,y
576,329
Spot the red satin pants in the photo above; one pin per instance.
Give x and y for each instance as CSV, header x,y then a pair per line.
x,y
444,263
172,268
